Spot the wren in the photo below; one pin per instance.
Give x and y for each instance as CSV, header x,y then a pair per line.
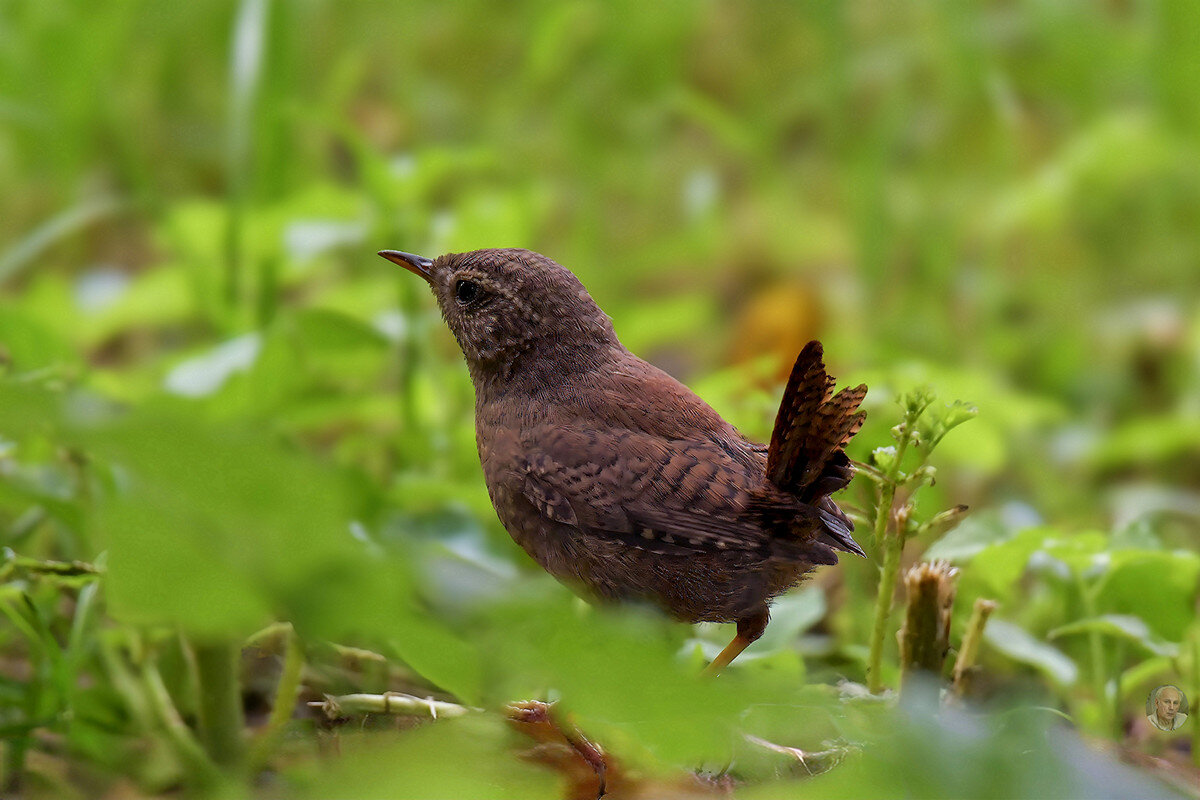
x,y
619,480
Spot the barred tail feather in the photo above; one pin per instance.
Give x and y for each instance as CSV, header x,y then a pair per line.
x,y
807,456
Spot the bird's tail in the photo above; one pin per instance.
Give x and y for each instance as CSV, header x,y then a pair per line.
x,y
807,454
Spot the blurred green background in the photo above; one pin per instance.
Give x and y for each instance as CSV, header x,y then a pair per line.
x,y
216,397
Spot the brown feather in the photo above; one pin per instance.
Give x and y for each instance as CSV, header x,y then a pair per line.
x,y
618,479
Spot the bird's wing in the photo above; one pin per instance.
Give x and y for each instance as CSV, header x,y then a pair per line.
x,y
665,496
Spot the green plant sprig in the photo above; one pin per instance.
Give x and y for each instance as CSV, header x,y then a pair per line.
x,y
919,431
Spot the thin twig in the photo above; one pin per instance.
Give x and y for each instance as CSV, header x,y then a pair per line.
x,y
388,703
969,650
802,757
357,653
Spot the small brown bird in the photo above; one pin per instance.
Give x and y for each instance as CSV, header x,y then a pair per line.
x,y
619,480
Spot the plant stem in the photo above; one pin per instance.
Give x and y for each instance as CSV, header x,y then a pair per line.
x,y
247,48
925,635
189,750
1096,650
269,632
891,546
1196,688
220,701
388,703
1115,710
968,651
285,700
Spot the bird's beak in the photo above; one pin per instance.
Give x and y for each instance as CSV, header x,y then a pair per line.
x,y
417,265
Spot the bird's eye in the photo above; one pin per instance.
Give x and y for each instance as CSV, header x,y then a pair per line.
x,y
466,292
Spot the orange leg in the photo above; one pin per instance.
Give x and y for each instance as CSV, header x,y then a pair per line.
x,y
731,651
748,630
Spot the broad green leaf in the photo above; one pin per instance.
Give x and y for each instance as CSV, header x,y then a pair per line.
x,y
157,298
1157,586
466,757
219,529
1085,554
791,615
442,657
980,531
618,671
1148,440
214,521
921,750
1124,626
1020,645
206,373
324,329
1137,676
1001,565
985,444
27,344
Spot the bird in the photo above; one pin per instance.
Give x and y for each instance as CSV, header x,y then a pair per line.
x,y
619,480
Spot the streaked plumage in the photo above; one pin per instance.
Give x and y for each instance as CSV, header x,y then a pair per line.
x,y
617,478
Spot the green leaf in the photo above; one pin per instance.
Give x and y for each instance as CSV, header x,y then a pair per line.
x,y
883,458
998,566
916,401
619,671
957,413
212,519
27,344
1121,626
325,329
1148,440
935,424
1137,676
441,657
219,529
791,615
206,373
465,757
1085,553
1018,644
1157,586
156,298
921,750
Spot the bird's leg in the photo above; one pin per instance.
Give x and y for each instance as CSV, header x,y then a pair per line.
x,y
748,630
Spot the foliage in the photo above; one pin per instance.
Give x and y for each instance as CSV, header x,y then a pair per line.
x,y
228,431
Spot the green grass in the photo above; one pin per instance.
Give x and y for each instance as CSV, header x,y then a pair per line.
x,y
221,414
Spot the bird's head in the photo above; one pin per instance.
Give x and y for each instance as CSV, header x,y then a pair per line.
x,y
510,307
